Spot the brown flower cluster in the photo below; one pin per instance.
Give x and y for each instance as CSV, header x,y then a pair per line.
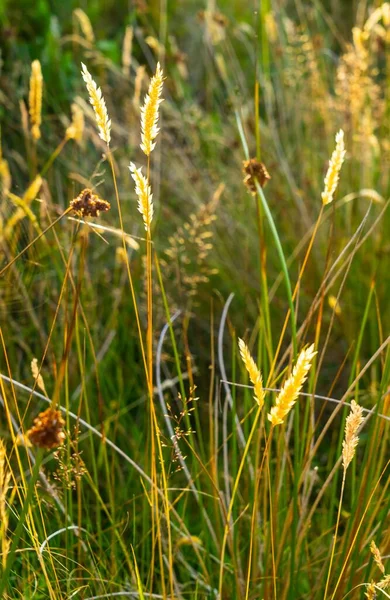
x,y
254,170
88,204
47,431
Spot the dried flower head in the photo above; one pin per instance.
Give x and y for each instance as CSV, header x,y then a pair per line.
x,y
254,170
98,104
149,112
332,177
353,422
253,371
76,128
143,191
289,393
377,556
35,99
47,431
88,204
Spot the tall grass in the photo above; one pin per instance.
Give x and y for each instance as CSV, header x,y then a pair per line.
x,y
195,394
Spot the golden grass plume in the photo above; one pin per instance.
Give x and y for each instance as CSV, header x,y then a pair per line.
x,y
149,112
35,99
253,371
377,556
290,391
145,197
333,174
98,104
351,440
85,25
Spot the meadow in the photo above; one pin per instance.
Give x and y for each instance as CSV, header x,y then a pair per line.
x,y
194,291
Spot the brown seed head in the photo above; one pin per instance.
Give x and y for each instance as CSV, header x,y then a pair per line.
x,y
47,431
254,169
88,204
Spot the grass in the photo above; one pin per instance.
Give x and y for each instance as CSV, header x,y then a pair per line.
x,y
205,448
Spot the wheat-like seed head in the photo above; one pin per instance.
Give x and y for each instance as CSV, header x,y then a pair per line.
x,y
353,422
253,371
98,104
76,128
332,176
126,50
377,556
149,112
289,393
85,24
143,191
35,99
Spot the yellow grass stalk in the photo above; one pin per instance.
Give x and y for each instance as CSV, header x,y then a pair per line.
x,y
290,391
35,99
253,371
76,128
149,112
143,191
98,105
353,422
5,477
332,177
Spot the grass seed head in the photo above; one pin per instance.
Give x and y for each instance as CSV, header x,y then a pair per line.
x,y
353,422
377,556
145,197
76,128
332,176
98,104
149,112
35,99
290,391
253,371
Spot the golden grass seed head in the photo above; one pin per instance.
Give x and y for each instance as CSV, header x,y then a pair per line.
x,y
290,391
99,106
149,112
75,130
253,371
144,193
35,99
37,375
333,173
85,25
377,556
351,440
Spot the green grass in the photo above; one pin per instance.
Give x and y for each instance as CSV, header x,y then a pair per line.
x,y
227,508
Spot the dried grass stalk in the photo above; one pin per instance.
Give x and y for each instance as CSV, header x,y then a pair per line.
x,y
253,371
332,177
127,50
143,191
149,112
35,99
5,478
289,393
98,104
353,422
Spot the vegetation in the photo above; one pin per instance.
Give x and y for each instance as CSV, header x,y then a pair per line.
x,y
194,333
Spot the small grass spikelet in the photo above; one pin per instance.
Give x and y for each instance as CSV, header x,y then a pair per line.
x,y
35,99
143,191
253,371
353,422
98,104
377,556
149,112
332,176
289,393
